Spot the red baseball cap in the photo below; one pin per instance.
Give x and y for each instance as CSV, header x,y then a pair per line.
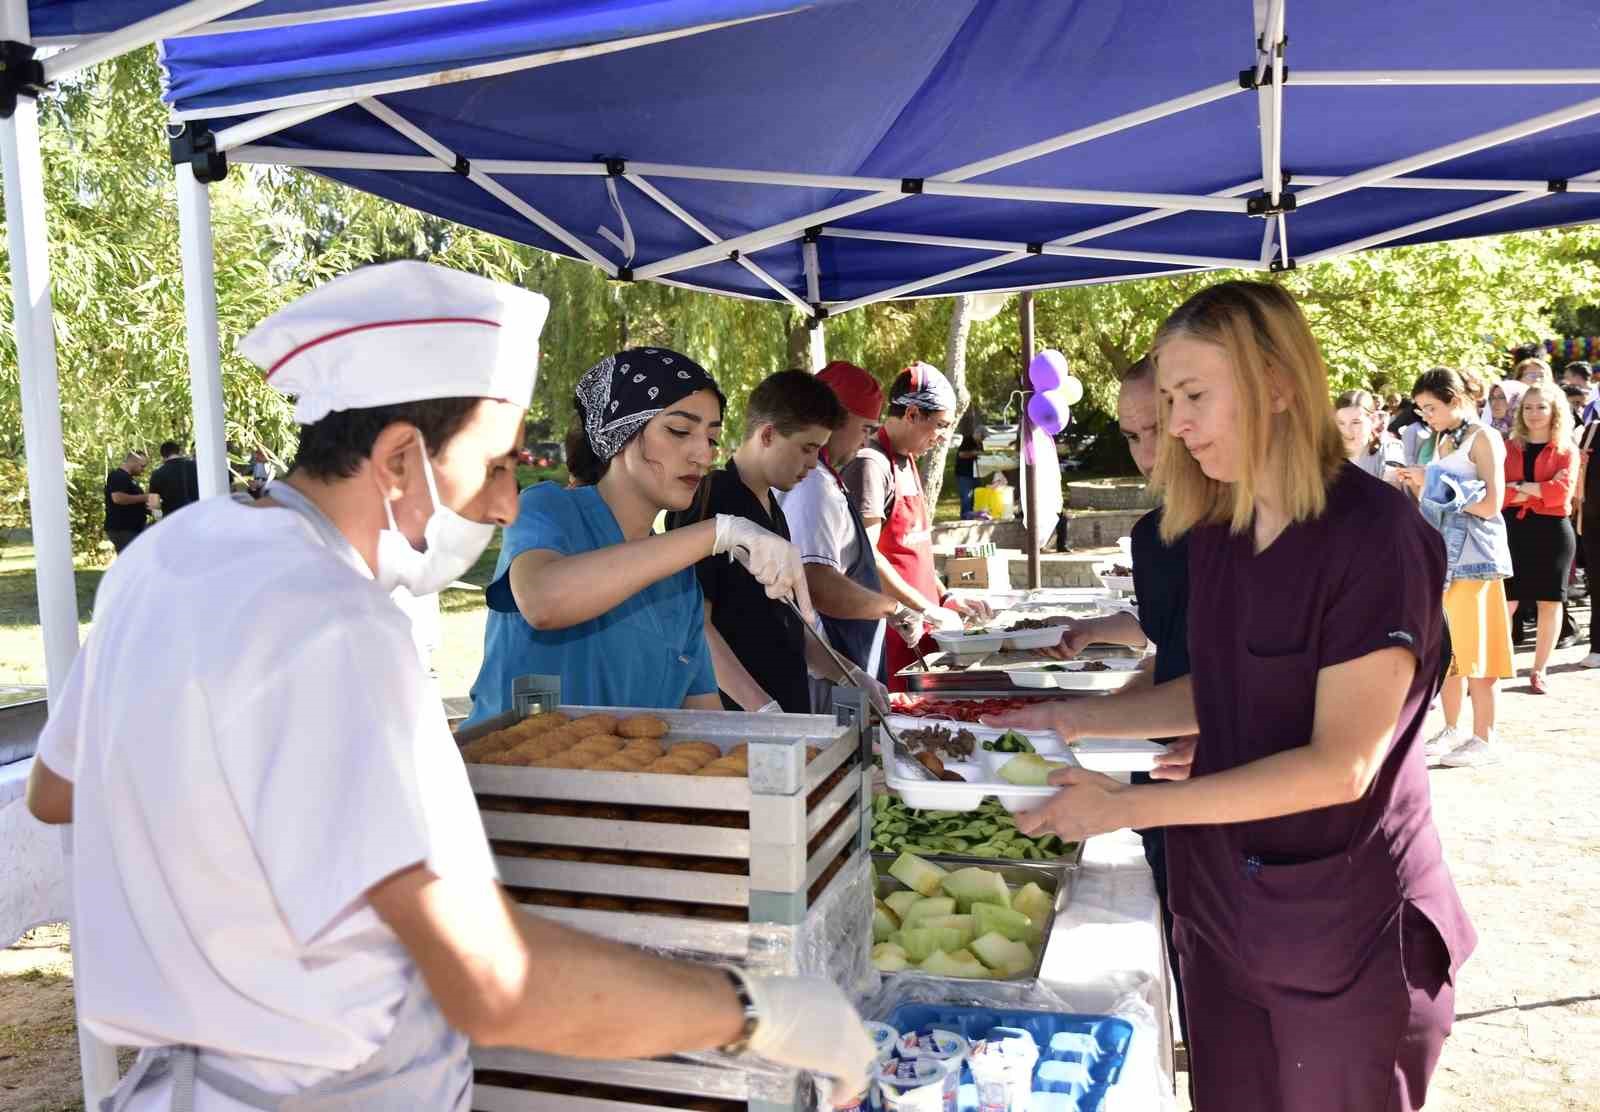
x,y
857,390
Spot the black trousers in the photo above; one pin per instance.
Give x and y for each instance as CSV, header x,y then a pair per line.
x,y
1589,544
1155,854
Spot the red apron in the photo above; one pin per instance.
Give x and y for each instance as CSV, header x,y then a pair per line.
x,y
906,541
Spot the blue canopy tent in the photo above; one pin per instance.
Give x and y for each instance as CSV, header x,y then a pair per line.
x,y
846,152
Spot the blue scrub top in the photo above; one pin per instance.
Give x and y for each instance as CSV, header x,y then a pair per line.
x,y
648,651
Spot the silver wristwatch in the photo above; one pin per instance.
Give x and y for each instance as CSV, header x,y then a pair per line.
x,y
752,1018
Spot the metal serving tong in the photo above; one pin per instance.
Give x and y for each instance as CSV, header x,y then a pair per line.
x,y
901,751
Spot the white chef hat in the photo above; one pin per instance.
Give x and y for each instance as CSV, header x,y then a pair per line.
x,y
401,332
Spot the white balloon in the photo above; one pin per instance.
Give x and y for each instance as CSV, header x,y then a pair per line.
x,y
1071,390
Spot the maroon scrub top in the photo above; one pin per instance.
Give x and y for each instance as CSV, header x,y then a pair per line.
x,y
1300,901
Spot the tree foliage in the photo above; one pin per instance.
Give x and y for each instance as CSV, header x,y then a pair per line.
x,y
1381,316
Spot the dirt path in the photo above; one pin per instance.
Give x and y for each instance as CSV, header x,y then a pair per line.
x,y
1523,840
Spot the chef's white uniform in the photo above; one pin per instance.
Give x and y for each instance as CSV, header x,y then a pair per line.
x,y
277,754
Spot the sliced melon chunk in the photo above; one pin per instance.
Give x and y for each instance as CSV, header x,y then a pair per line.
x,y
1003,955
961,963
1009,924
889,958
884,922
974,885
915,873
900,902
962,923
928,909
920,942
1034,902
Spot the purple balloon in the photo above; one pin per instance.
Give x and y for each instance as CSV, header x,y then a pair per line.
x,y
1048,369
1047,412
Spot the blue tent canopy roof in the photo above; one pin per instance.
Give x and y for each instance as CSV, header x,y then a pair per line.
x,y
705,103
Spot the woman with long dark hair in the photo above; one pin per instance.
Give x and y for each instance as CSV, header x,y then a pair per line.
x,y
583,589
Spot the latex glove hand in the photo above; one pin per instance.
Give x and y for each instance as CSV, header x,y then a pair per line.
x,y
877,694
909,624
971,608
806,1023
940,618
772,706
773,561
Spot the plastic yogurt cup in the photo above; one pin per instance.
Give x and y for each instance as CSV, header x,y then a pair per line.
x,y
917,1085
935,1043
884,1038
1002,1070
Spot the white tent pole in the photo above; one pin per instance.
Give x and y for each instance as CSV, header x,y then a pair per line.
x,y
33,322
1143,218
919,240
1470,185
685,217
813,266
450,75
930,280
1283,240
788,229
352,10
1448,77
33,325
200,316
272,123
1399,166
1272,169
484,182
137,35
1269,232
1439,221
410,163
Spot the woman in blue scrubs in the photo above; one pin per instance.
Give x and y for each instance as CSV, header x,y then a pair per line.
x,y
583,589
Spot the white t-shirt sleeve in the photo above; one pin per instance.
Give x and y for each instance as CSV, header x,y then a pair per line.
x,y
61,739
331,789
819,521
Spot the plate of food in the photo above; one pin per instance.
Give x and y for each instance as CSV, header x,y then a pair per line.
x,y
999,635
1116,575
1108,674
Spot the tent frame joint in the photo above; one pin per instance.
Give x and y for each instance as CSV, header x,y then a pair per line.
x,y
462,165
1249,80
623,274
1556,185
819,313
616,167
1036,248
911,185
21,75
1278,266
195,145
812,234
1263,205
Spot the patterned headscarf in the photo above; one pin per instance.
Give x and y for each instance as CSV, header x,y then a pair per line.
x,y
622,392
927,389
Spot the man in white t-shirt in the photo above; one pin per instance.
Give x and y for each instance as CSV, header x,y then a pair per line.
x,y
841,568
282,885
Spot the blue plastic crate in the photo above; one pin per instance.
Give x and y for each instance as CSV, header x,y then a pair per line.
x,y
1080,1056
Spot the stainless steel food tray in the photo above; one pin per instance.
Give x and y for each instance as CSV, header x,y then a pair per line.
x,y
770,1091
1055,877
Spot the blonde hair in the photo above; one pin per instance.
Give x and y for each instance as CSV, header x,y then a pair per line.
x,y
1560,414
1539,364
1269,344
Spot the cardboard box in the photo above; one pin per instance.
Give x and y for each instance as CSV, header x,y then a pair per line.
x,y
989,573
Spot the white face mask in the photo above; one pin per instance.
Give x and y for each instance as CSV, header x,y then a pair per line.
x,y
453,545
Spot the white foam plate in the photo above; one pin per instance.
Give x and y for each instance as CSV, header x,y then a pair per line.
x,y
1069,675
971,644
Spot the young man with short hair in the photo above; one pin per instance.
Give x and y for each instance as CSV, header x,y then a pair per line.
x,y
127,505
887,490
176,481
841,564
760,649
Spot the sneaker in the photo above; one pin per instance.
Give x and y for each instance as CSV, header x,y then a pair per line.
x,y
1476,751
1446,740
1590,661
